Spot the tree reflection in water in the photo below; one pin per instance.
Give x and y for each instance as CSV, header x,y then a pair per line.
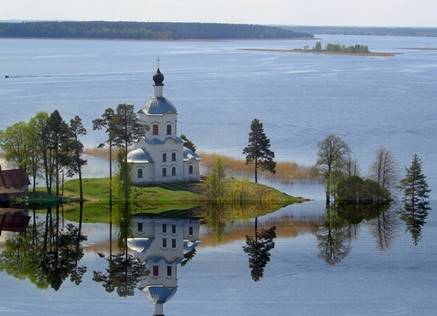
x,y
385,227
46,254
414,217
333,237
258,249
341,225
123,270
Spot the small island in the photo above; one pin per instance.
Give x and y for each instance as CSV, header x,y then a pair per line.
x,y
329,49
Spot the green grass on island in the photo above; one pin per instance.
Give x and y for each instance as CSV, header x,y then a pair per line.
x,y
177,193
243,199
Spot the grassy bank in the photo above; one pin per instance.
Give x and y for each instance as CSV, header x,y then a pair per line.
x,y
243,199
96,190
286,171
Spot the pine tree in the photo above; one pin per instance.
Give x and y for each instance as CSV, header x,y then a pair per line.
x,y
416,199
414,185
258,150
106,122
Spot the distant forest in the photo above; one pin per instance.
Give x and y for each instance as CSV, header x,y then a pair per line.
x,y
379,31
144,30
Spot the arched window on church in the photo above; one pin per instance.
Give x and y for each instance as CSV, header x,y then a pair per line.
x,y
140,173
164,172
155,129
168,129
190,169
173,171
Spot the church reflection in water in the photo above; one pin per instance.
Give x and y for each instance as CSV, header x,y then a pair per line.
x,y
162,243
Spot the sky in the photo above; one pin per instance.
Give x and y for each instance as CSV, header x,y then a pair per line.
x,y
287,12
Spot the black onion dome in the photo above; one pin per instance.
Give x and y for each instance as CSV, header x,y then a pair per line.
x,y
158,78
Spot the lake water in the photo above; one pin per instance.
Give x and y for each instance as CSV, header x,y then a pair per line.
x,y
336,263
218,89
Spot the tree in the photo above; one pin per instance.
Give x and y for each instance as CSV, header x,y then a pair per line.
x,y
258,150
56,134
37,150
352,167
106,122
414,185
188,143
332,157
415,198
76,162
258,249
215,184
14,143
384,169
127,130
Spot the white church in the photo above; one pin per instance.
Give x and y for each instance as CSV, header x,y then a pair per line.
x,y
160,156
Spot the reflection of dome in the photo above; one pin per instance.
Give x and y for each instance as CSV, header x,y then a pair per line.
x,y
139,244
159,294
159,105
139,155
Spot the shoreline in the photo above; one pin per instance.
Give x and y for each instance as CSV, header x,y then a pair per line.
x,y
323,52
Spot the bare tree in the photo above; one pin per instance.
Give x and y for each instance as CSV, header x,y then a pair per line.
x,y
385,169
352,167
332,158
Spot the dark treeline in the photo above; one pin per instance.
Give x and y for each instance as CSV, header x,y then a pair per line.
x,y
144,30
378,31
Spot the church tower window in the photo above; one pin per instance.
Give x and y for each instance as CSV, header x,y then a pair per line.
x,y
169,129
173,156
190,169
164,157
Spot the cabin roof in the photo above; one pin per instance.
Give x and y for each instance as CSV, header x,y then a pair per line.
x,y
14,178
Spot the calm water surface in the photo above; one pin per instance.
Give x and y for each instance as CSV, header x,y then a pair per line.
x,y
335,263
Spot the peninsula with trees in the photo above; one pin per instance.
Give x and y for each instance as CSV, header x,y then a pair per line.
x,y
145,31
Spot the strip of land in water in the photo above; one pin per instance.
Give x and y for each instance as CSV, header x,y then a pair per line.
x,y
322,52
420,48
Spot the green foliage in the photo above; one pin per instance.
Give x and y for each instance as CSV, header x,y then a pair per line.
x,y
356,190
144,30
188,143
14,142
416,199
215,184
338,48
414,185
44,256
258,150
332,157
122,274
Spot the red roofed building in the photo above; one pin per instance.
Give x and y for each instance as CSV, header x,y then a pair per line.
x,y
13,183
